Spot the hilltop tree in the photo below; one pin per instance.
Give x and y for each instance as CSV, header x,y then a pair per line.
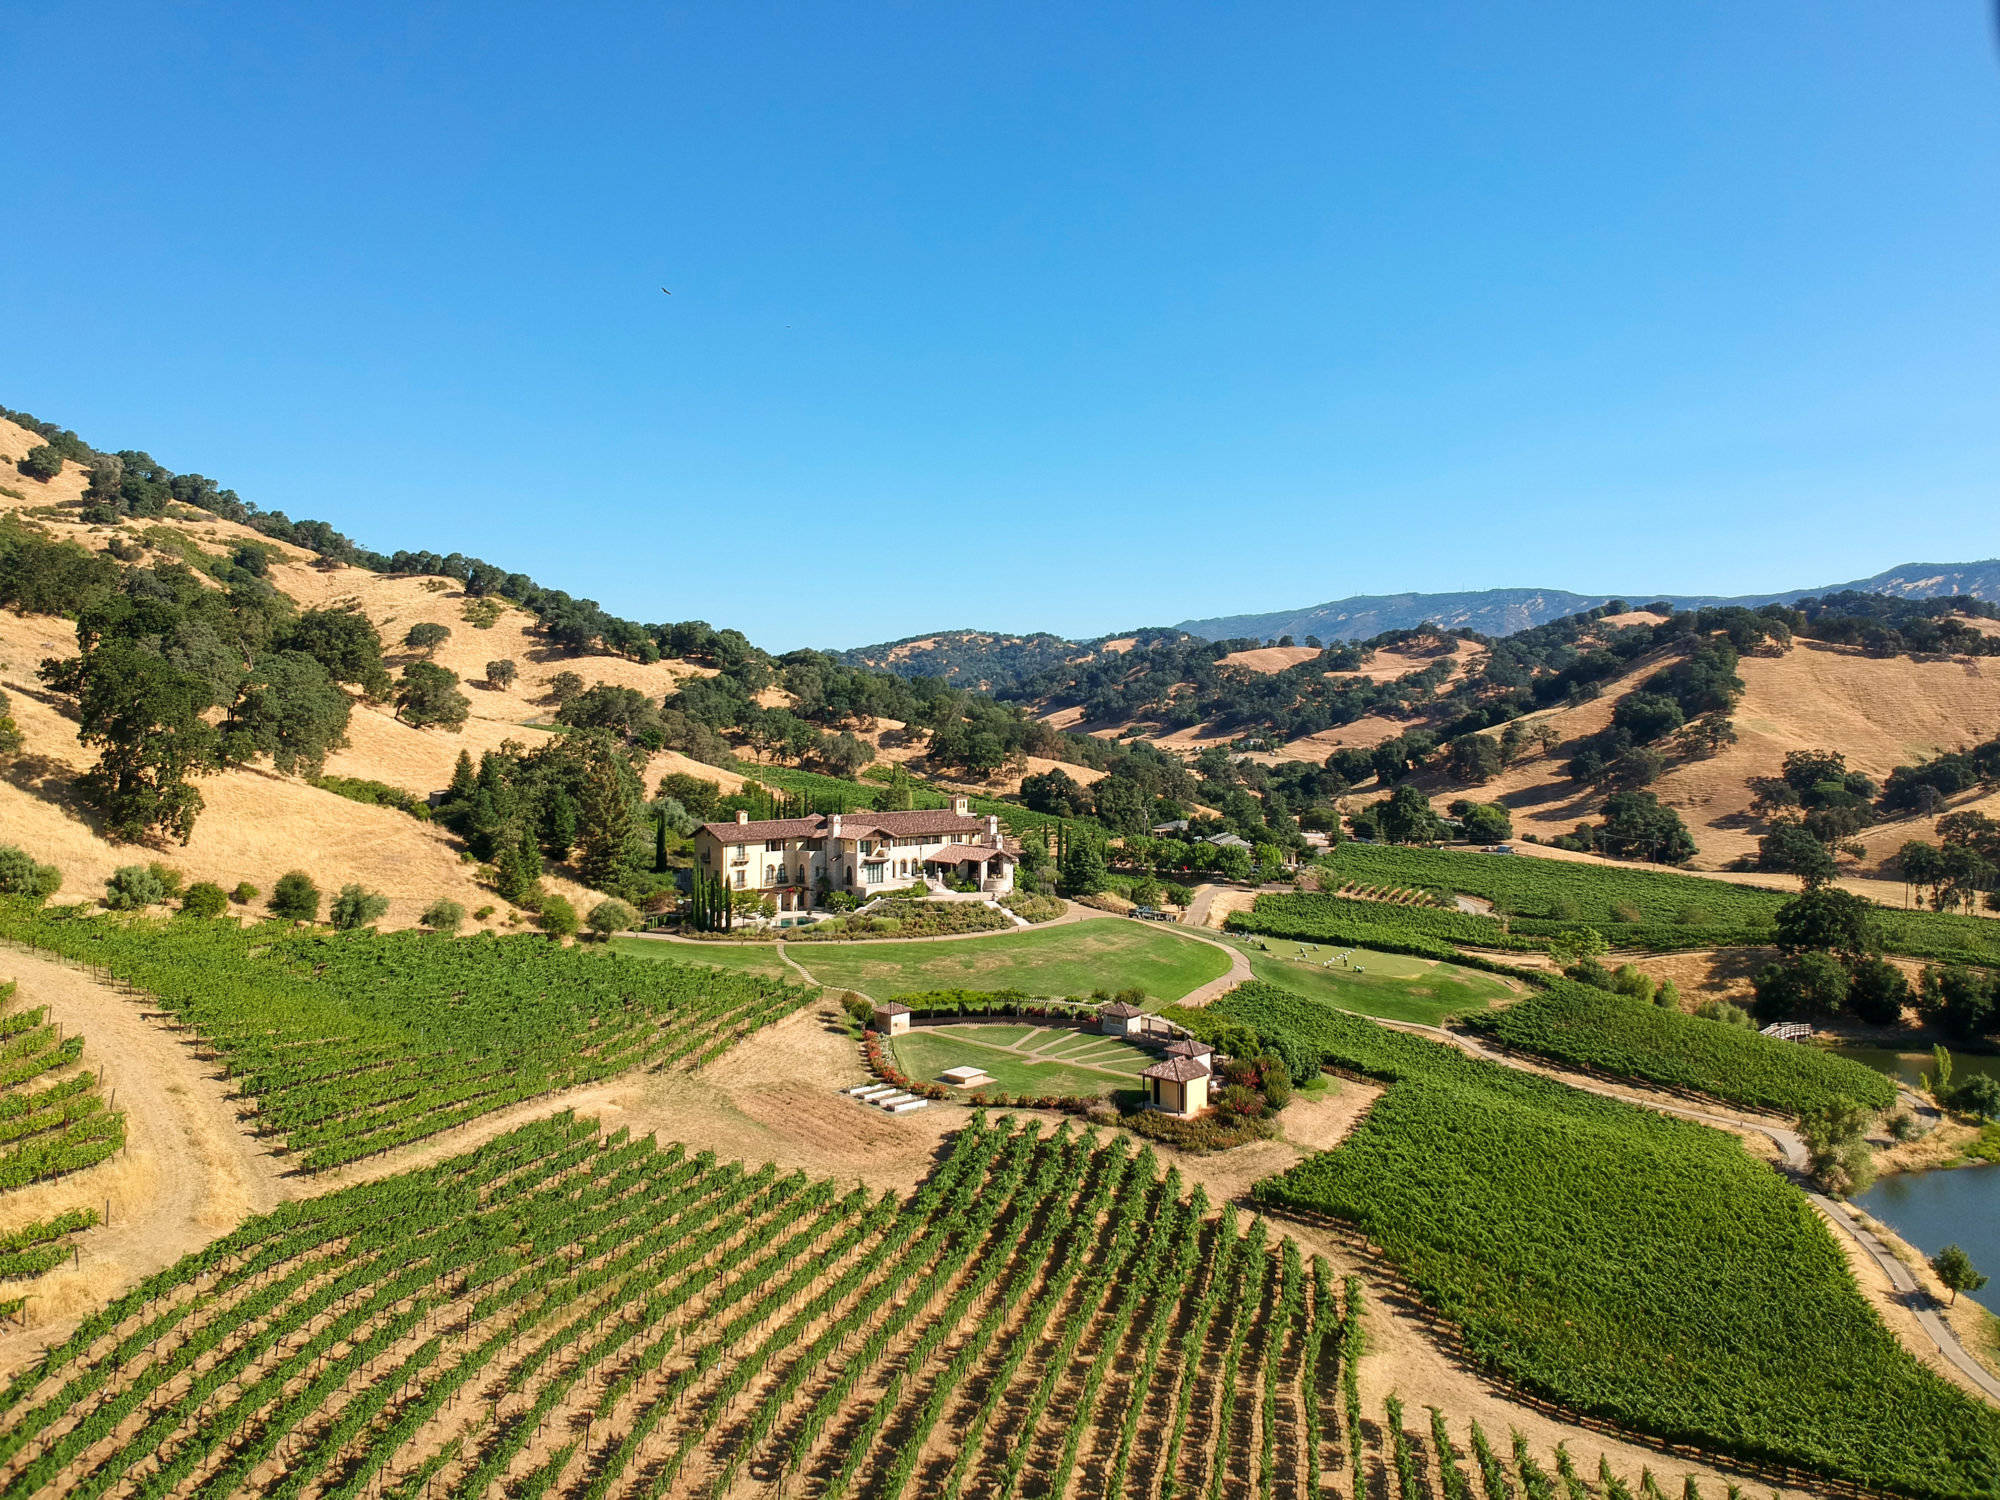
x,y
501,674
41,462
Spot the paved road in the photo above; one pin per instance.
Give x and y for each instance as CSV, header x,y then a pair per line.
x,y
1793,1151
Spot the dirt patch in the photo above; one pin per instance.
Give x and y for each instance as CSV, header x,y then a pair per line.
x,y
1265,659
188,1173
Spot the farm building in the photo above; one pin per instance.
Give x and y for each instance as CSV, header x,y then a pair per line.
x,y
892,1019
1178,1086
1120,1019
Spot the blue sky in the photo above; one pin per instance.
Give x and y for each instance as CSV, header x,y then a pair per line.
x,y
1067,317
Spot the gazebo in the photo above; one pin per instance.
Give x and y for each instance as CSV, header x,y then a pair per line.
x,y
1188,1047
1178,1086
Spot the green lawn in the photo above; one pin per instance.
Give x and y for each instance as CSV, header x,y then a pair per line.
x,y
1056,1066
1073,959
738,958
1392,985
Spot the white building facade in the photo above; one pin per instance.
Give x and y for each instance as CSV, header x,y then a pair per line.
x,y
798,862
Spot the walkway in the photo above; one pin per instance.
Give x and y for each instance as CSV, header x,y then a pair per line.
x,y
1792,1150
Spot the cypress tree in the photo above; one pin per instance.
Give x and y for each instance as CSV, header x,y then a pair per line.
x,y
660,845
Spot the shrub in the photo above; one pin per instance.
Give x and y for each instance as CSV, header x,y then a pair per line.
x,y
204,899
444,916
20,875
1724,1013
557,917
41,462
133,888
612,916
1978,1095
427,637
244,893
483,913
296,898
357,906
168,877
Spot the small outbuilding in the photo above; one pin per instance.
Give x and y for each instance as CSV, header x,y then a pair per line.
x,y
1120,1019
1187,1046
1178,1086
892,1019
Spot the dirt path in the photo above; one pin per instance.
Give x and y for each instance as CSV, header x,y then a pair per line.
x,y
189,1172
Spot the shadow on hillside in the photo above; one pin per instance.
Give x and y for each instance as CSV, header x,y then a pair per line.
x,y
54,782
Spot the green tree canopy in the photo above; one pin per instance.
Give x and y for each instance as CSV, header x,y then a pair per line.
x,y
290,710
429,695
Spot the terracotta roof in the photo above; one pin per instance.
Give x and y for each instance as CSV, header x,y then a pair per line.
x,y
1177,1070
1186,1048
897,825
892,1008
770,828
903,825
959,854
1118,1010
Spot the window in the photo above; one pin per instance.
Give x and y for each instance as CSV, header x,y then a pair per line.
x,y
773,846
815,846
873,873
739,880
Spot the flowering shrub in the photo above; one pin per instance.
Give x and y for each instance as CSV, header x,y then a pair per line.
x,y
884,1067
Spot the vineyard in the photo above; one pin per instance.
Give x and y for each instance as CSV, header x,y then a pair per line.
x,y
1641,1269
53,1117
1586,1027
1632,907
354,1043
1370,923
560,1313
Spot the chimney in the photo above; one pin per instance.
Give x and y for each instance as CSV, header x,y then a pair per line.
x,y
962,806
833,826
742,816
993,831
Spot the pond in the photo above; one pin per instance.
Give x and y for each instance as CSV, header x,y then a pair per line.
x,y
1955,1205
1909,1067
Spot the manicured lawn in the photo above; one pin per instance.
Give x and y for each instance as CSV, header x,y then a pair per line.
x,y
1392,985
1074,959
1053,1068
738,958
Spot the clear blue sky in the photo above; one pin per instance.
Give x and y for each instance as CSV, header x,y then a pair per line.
x,y
1068,317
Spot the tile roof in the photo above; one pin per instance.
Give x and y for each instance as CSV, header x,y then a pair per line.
x,y
1186,1048
958,854
1177,1070
892,1008
1118,1010
900,825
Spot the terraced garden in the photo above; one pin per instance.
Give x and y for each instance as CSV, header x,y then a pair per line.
x,y
1024,1059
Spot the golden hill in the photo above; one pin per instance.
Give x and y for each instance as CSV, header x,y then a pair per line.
x,y
258,824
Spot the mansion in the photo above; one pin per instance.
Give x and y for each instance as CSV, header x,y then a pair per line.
x,y
798,862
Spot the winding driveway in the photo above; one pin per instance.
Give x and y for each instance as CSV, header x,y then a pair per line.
x,y
1792,1150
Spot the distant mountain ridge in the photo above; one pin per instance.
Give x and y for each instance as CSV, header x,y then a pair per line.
x,y
994,661
1499,612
